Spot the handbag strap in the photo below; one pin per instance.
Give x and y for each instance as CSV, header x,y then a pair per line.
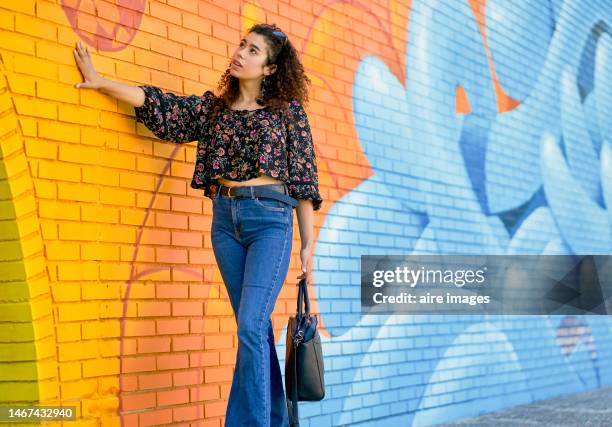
x,y
294,417
302,299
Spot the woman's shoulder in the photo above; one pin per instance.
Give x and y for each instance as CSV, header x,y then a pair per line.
x,y
295,104
296,110
212,101
293,109
210,95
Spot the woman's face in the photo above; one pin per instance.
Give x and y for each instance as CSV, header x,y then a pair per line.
x,y
251,54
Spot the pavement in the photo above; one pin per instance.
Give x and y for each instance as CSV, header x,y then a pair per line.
x,y
587,409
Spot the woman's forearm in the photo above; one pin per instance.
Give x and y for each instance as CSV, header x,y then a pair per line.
x,y
305,214
132,95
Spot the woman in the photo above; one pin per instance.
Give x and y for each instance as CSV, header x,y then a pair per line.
x,y
254,149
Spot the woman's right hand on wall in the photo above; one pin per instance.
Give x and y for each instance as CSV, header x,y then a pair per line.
x,y
133,95
91,79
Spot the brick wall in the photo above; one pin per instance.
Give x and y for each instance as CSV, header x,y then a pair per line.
x,y
443,127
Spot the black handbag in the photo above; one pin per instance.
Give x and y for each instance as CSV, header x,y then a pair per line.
x,y
304,358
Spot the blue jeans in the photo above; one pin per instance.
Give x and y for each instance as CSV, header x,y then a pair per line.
x,y
251,239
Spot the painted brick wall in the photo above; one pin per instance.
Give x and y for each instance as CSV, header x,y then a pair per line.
x,y
441,127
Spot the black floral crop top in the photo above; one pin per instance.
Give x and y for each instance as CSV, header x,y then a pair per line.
x,y
242,145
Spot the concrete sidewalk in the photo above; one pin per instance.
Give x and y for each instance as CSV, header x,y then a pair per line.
x,y
589,409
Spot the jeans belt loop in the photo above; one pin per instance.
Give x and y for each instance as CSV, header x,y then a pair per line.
x,y
252,195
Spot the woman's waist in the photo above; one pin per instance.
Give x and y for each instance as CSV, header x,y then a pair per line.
x,y
262,179
275,191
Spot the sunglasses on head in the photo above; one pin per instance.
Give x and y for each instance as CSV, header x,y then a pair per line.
x,y
281,36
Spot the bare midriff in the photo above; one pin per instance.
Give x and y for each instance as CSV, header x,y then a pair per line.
x,y
262,179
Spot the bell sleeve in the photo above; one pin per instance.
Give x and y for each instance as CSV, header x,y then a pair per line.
x,y
172,117
302,162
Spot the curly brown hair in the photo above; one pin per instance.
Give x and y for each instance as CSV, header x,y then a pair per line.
x,y
289,82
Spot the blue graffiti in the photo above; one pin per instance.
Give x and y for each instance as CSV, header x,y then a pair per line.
x,y
535,180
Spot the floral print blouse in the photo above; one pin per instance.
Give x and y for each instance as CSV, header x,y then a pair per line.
x,y
242,145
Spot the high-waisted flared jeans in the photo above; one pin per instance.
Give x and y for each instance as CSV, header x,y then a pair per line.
x,y
251,239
